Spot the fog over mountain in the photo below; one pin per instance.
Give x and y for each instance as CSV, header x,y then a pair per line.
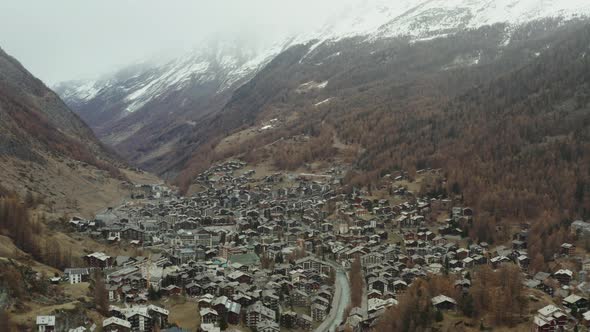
x,y
68,39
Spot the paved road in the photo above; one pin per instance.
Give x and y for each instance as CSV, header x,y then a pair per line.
x,y
339,303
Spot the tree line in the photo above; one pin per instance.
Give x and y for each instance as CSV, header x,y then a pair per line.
x,y
29,234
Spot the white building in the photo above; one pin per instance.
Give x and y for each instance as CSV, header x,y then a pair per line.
x,y
77,275
45,323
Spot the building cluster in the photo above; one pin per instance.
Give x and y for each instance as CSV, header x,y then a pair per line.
x,y
263,251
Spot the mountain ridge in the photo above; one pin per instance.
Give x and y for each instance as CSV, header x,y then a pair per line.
x,y
167,108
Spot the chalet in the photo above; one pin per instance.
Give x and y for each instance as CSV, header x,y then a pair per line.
x,y
574,300
320,300
567,249
77,275
205,301
455,264
462,253
299,298
564,276
192,289
549,319
443,302
378,284
374,294
131,233
139,318
268,326
209,316
523,261
463,284
400,286
372,258
172,290
99,260
240,277
114,324
234,313
312,263
518,245
270,299
304,322
46,324
257,313
220,305
499,260
209,327
158,315
289,319
318,312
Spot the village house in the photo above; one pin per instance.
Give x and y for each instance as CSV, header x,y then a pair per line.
x,y
46,324
549,319
114,324
209,316
99,260
442,302
77,275
577,301
257,313
567,249
564,276
268,326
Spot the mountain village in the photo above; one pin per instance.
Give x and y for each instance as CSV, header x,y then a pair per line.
x,y
373,165
271,253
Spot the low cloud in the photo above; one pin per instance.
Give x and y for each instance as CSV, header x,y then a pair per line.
x,y
70,39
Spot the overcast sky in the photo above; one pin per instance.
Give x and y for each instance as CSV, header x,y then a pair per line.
x,y
60,40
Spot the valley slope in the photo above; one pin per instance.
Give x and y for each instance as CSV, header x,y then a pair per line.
x,y
47,151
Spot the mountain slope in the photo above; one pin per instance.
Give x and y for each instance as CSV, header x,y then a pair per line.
x,y
145,111
44,147
501,119
150,112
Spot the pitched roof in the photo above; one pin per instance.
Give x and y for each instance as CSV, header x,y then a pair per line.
x,y
116,321
442,298
46,320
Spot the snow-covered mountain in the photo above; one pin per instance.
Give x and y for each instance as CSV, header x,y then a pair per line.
x,y
218,65
130,106
430,18
227,64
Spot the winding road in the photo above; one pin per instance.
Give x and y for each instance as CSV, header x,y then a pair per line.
x,y
339,303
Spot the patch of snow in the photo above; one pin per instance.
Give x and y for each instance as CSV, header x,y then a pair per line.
x,y
337,54
325,101
312,85
269,125
466,60
418,40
